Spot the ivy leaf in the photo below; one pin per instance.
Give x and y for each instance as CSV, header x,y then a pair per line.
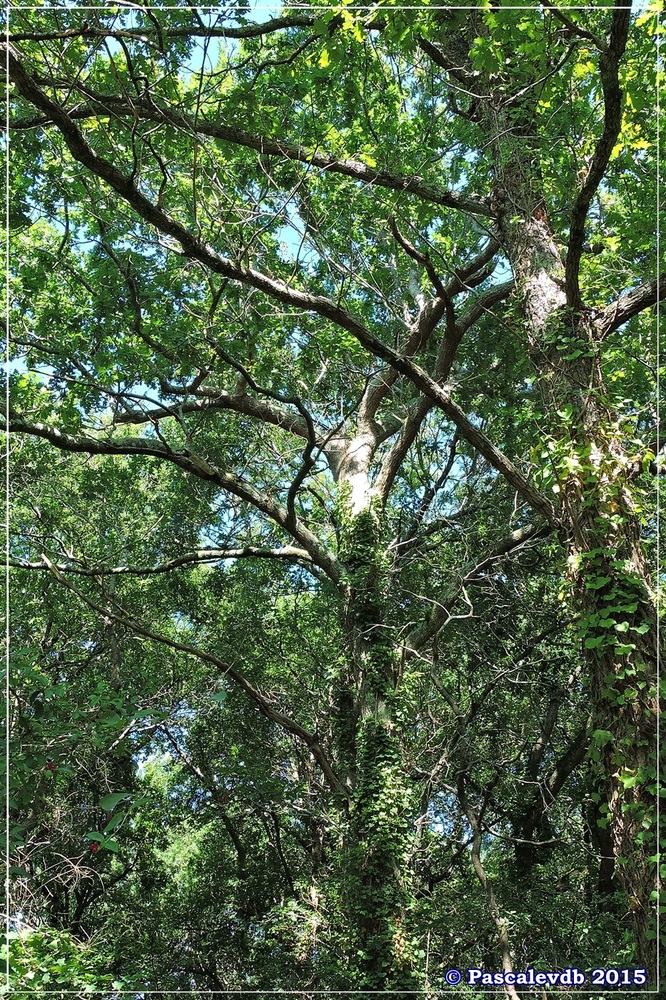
x,y
602,736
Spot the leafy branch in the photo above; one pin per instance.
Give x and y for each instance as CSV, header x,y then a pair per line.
x,y
264,704
195,249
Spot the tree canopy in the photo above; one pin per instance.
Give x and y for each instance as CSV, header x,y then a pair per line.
x,y
333,443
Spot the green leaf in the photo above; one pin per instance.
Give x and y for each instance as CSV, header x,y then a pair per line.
x,y
110,802
602,736
629,781
114,822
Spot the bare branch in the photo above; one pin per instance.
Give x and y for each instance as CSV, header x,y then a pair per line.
x,y
428,496
198,557
420,333
514,540
510,543
309,458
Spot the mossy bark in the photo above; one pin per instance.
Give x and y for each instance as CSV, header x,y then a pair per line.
x,y
376,890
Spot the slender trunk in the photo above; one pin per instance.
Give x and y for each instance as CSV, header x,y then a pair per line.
x,y
602,856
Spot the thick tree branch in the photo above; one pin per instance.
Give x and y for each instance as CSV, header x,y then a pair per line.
x,y
202,31
574,28
393,461
454,331
629,305
426,323
218,399
565,765
196,466
102,105
543,739
441,59
548,789
382,382
421,331
468,430
514,540
483,303
609,63
199,557
442,397
476,270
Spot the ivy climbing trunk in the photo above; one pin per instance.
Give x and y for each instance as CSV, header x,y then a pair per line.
x,y
376,852
611,591
594,472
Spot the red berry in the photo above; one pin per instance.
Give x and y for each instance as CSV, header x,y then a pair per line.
x,y
94,847
50,766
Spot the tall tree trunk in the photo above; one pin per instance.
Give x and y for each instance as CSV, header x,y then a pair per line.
x,y
608,580
609,584
375,870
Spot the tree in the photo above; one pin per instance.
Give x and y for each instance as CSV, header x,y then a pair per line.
x,y
337,325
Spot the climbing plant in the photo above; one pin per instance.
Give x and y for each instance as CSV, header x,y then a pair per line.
x,y
333,443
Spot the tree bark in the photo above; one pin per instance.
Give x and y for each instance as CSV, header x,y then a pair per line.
x,y
375,879
608,577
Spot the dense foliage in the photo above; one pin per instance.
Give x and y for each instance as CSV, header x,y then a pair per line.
x,y
333,449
